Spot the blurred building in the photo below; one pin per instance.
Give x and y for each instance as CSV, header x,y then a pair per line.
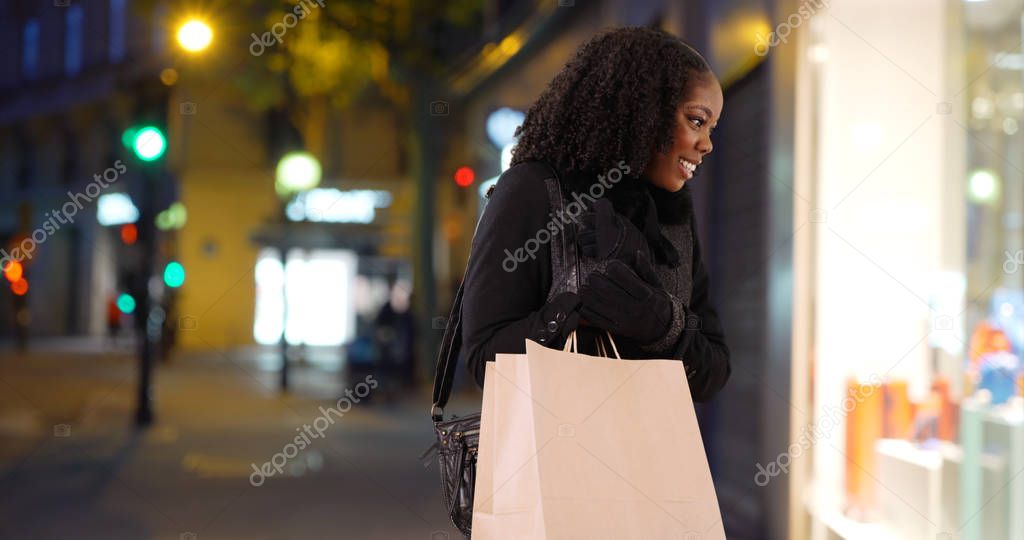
x,y
341,241
63,113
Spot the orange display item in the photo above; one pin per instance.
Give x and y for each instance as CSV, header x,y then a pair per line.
x,y
986,339
863,429
898,417
948,411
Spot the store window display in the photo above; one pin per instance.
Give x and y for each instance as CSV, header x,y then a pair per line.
x,y
921,182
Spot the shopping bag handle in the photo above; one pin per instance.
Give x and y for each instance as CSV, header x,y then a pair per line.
x,y
571,344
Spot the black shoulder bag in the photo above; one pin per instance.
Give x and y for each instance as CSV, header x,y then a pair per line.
x,y
458,437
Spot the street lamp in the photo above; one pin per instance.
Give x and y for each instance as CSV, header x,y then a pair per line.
x,y
297,171
195,35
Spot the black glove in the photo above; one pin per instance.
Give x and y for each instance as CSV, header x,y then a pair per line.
x,y
605,234
557,319
624,303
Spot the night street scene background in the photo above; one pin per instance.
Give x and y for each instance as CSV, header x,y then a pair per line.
x,y
231,226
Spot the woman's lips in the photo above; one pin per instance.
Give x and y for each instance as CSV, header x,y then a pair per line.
x,y
685,170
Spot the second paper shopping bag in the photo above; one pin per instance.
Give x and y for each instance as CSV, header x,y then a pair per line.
x,y
593,447
506,501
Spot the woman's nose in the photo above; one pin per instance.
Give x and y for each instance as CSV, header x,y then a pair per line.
x,y
704,145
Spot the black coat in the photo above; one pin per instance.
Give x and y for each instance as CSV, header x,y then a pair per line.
x,y
502,308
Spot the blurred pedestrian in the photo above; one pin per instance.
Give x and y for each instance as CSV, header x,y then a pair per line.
x,y
394,328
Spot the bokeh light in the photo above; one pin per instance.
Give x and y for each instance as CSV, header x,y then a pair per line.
x,y
19,287
174,274
126,303
195,36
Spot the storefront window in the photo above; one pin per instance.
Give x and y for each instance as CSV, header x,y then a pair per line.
x,y
991,490
909,323
318,287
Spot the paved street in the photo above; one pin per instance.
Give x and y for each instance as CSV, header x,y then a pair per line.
x,y
72,466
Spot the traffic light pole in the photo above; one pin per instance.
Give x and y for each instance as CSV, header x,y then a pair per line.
x,y
147,239
284,321
146,140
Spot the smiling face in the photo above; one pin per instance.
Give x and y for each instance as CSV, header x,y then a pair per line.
x,y
696,116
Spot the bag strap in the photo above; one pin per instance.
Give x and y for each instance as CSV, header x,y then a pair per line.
x,y
451,341
565,264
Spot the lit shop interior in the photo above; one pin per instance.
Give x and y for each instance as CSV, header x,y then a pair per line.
x,y
907,405
321,275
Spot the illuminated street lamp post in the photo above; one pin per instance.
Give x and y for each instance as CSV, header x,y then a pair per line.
x,y
194,35
296,172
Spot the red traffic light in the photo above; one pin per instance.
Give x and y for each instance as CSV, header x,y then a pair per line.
x,y
129,233
20,287
464,176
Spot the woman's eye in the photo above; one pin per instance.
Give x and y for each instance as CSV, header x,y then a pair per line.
x,y
697,121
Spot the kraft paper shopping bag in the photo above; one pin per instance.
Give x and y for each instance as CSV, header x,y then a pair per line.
x,y
483,502
506,492
592,447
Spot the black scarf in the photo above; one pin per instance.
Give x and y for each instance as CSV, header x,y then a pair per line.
x,y
644,204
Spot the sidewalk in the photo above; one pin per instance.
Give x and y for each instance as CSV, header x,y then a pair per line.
x,y
72,466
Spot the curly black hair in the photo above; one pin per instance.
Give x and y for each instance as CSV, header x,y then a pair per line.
x,y
615,100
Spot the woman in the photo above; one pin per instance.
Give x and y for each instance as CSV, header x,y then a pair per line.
x,y
624,126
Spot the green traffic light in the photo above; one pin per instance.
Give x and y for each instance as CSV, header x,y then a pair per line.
x,y
126,303
148,142
174,274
